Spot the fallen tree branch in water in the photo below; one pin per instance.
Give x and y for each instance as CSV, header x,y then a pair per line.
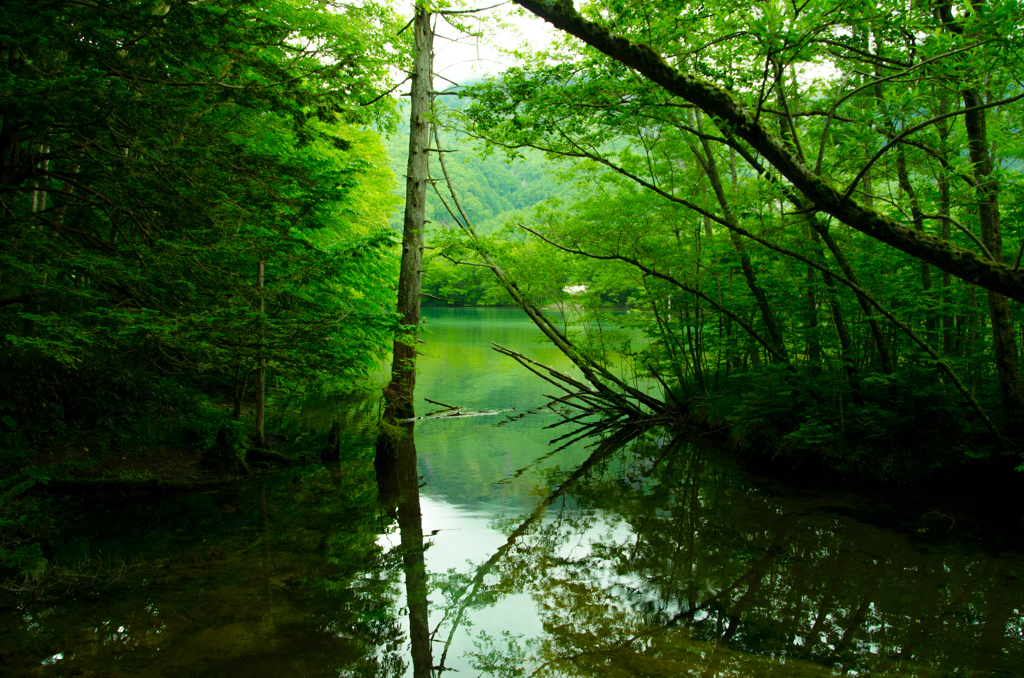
x,y
445,405
616,392
581,396
457,413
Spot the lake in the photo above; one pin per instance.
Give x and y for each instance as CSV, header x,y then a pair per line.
x,y
487,550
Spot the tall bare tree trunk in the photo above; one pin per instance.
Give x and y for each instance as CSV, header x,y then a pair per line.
x,y
396,454
399,392
261,362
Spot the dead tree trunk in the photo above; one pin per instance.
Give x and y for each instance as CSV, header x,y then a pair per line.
x,y
261,365
399,392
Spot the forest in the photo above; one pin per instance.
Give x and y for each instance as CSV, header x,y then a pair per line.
x,y
810,211
813,212
685,343
186,200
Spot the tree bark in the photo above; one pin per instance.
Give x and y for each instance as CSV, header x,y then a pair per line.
x,y
1004,345
399,392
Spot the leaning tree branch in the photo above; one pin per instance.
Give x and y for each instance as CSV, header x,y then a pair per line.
x,y
739,120
595,373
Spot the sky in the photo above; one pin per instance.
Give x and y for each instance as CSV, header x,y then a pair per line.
x,y
469,58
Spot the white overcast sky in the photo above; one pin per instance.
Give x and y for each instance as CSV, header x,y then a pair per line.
x,y
471,58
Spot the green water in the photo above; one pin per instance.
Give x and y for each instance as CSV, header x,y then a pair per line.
x,y
638,556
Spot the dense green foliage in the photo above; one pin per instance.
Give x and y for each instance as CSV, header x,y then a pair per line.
x,y
816,337
151,154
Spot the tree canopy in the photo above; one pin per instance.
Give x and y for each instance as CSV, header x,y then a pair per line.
x,y
776,182
820,191
153,154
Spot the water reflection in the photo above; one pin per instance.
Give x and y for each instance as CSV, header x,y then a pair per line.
x,y
277,578
662,566
647,558
399,496
636,555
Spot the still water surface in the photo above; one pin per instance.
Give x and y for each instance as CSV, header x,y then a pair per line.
x,y
636,556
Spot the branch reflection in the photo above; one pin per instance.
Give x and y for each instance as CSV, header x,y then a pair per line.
x,y
648,559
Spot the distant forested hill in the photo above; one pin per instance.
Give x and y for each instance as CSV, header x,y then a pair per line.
x,y
492,190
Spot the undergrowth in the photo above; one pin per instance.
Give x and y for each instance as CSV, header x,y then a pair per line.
x,y
906,426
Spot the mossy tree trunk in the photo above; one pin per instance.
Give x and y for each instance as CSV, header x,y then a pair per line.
x,y
399,392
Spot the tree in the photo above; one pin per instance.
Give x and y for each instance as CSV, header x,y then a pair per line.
x,y
742,120
707,143
147,168
966,53
399,392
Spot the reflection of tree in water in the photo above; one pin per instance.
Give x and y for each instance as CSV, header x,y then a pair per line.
x,y
463,593
650,564
280,580
399,495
